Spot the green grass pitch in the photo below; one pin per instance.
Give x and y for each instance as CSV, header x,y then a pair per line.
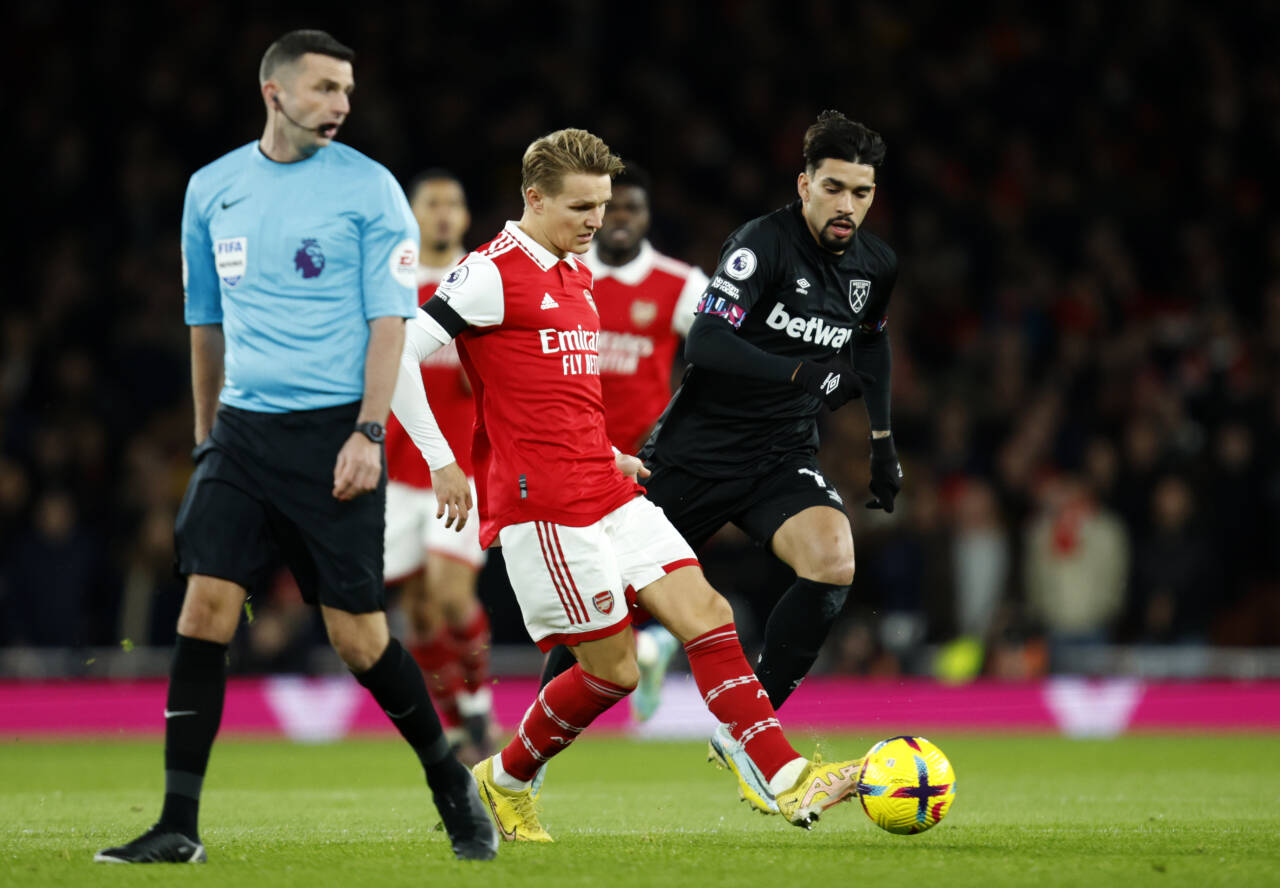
x,y
1030,810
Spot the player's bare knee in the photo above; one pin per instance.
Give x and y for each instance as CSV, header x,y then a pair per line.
x,y
623,673
612,659
717,609
835,568
359,639
359,651
210,610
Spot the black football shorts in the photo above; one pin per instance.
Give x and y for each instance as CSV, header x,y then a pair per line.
x,y
263,485
759,504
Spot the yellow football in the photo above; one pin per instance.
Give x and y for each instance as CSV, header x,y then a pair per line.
x,y
906,785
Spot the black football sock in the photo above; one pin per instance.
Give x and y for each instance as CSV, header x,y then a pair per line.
x,y
559,659
396,683
193,711
794,635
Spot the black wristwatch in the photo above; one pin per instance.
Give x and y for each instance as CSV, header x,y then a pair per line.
x,y
372,430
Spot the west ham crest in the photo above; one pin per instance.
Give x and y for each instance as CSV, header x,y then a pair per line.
x,y
858,293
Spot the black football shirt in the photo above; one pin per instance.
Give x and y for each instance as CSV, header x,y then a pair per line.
x,y
786,295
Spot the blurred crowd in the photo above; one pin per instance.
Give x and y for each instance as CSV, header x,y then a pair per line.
x,y
1086,329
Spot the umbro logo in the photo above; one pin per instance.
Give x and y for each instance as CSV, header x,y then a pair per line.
x,y
228,204
831,383
817,478
548,302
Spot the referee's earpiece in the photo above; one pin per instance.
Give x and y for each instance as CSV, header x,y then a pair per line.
x,y
280,108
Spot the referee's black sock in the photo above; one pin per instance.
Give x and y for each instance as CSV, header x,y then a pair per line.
x,y
794,635
396,683
193,711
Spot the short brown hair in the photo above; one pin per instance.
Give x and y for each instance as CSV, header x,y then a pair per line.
x,y
548,159
294,45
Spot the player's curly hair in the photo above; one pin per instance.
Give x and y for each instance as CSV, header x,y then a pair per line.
x,y
836,136
549,159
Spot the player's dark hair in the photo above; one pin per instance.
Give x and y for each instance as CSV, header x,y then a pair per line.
x,y
294,45
433,174
634,176
838,137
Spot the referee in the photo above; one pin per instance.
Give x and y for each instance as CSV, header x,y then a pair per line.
x,y
299,261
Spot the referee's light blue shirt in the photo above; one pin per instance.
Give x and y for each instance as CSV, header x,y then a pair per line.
x,y
293,260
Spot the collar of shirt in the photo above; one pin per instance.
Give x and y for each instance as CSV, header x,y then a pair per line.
x,y
630,274
545,259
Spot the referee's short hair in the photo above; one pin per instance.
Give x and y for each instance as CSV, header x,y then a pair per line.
x,y
838,137
294,45
549,159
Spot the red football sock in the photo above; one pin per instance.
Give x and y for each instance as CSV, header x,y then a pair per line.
x,y
438,659
735,696
472,644
562,711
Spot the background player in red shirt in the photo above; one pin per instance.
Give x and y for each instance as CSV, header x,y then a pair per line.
x,y
579,540
436,568
646,302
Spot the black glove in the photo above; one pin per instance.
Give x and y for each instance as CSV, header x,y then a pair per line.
x,y
832,382
886,473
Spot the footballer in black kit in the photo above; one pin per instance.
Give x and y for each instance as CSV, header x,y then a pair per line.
x,y
793,320
778,290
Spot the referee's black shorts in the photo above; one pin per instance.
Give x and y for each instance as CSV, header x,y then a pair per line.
x,y
266,479
759,504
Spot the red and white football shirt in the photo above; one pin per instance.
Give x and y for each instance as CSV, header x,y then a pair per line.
x,y
527,333
451,404
646,307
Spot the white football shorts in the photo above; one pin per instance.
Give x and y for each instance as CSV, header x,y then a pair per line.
x,y
414,533
575,584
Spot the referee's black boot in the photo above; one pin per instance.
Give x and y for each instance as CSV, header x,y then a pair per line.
x,y
160,844
471,832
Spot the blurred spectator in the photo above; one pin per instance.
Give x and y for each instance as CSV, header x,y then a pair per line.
x,y
1175,568
1077,566
152,593
981,556
53,571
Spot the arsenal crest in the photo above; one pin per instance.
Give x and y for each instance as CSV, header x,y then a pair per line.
x,y
603,602
858,293
643,312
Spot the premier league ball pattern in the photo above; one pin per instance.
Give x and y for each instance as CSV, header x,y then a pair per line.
x,y
906,785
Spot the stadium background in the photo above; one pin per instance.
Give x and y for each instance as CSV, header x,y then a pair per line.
x,y
1086,330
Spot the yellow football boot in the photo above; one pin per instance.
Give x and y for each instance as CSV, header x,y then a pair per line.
x,y
820,785
514,813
